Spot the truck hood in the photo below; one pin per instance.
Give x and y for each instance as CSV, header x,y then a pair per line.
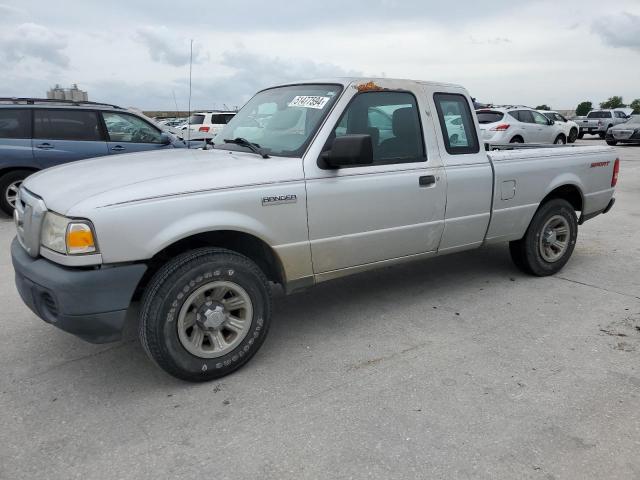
x,y
126,178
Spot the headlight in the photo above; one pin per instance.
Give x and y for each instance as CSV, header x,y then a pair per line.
x,y
67,236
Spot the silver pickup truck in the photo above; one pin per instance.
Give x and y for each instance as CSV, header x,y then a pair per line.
x,y
597,122
308,182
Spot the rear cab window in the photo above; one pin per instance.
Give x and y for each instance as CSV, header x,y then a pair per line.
x,y
456,122
15,123
61,124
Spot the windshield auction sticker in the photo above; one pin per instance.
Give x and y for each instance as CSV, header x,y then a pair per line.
x,y
308,101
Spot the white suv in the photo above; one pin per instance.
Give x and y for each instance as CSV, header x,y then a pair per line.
x,y
207,124
517,124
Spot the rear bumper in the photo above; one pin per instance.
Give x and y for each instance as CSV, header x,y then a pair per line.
x,y
584,218
89,303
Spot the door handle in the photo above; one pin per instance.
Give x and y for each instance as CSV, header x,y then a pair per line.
x,y
44,146
426,180
117,148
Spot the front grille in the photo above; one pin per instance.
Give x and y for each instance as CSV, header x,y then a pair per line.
x,y
28,216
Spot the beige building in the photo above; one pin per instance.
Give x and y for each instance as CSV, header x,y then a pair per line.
x,y
74,94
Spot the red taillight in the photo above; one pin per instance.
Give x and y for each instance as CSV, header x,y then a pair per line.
x,y
616,171
203,129
500,128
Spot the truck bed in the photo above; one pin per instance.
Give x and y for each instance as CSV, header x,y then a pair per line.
x,y
525,175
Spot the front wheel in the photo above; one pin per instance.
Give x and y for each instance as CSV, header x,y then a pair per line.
x,y
581,135
205,314
613,143
9,186
549,241
560,140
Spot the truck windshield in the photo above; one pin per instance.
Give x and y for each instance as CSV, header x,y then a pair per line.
x,y
281,120
599,115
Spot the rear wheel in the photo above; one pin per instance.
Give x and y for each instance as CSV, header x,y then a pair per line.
x,y
205,314
581,135
549,241
516,139
560,140
9,185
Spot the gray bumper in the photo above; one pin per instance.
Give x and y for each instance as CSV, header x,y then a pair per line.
x,y
89,303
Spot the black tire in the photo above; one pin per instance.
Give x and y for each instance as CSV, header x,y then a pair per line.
x,y
613,143
169,289
6,181
602,135
560,140
526,252
516,139
581,135
573,135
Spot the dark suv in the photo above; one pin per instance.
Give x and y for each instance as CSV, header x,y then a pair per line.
x,y
37,134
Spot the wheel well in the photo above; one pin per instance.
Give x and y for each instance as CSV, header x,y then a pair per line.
x,y
517,136
570,193
239,242
13,169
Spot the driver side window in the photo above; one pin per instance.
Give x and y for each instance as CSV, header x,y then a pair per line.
x,y
392,121
123,127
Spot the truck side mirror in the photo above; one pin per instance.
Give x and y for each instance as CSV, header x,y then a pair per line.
x,y
348,151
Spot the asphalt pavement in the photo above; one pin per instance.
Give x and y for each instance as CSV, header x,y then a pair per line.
x,y
457,367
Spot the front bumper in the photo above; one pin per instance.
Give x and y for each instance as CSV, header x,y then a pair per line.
x,y
89,303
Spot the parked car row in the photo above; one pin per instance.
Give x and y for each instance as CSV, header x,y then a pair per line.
x,y
520,124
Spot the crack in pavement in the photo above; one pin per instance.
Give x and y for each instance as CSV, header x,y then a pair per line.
x,y
597,287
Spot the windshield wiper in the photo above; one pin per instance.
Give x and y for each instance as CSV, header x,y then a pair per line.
x,y
254,147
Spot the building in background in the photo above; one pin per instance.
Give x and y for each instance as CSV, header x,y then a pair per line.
x,y
74,94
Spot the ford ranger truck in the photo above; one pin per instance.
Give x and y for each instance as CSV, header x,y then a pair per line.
x,y
309,182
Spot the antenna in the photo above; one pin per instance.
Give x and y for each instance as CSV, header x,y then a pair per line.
x,y
189,108
175,102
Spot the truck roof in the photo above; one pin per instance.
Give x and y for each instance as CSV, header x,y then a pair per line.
x,y
346,81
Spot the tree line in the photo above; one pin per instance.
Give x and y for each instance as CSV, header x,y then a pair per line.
x,y
612,102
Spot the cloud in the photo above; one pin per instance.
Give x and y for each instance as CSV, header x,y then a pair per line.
x,y
32,41
250,72
165,47
7,11
490,40
621,30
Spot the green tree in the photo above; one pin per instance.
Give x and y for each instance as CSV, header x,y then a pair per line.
x,y
613,102
584,108
544,106
635,105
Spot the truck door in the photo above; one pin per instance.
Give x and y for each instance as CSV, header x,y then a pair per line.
x,y
469,175
64,135
392,208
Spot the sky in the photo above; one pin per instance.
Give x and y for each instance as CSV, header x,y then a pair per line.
x,y
135,53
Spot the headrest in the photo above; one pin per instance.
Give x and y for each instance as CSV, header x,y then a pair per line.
x,y
404,122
